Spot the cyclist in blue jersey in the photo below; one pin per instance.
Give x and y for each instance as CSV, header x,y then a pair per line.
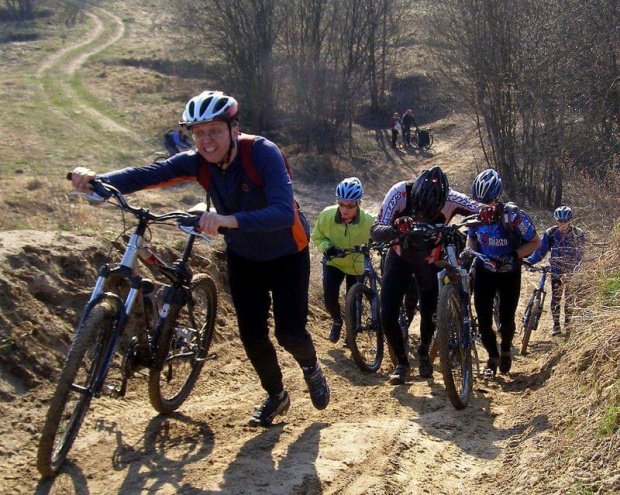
x,y
506,236
567,245
428,199
338,227
266,238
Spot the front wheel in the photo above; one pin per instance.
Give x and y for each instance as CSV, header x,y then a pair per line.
x,y
529,321
364,333
453,347
74,390
183,346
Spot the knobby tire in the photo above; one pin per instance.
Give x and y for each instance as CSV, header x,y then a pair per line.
x,y
174,375
454,355
364,333
68,407
530,321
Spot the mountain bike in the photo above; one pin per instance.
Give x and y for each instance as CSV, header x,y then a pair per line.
x,y
456,330
422,139
535,305
173,342
362,315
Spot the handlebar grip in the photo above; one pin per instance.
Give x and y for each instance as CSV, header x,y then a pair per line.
x,y
69,175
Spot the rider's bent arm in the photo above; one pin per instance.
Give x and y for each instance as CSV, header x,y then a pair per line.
x,y
529,247
472,242
541,251
318,236
394,203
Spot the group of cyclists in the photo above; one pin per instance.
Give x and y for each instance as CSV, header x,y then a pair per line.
x,y
267,246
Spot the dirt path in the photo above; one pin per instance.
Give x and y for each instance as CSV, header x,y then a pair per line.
x,y
373,439
62,66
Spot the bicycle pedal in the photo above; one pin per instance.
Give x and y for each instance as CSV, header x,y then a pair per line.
x,y
112,389
208,358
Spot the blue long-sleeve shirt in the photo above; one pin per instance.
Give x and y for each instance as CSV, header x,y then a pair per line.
x,y
566,250
269,224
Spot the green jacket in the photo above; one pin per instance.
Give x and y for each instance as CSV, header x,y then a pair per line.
x,y
330,230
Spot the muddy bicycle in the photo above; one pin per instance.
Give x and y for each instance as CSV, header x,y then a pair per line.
x,y
456,331
173,342
362,313
535,305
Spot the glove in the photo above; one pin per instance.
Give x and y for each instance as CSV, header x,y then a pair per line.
x,y
403,225
488,214
508,262
466,257
333,252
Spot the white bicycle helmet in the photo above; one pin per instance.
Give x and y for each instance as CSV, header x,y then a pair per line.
x,y
209,106
487,186
350,189
563,214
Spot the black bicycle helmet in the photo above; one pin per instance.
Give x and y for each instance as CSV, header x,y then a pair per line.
x,y
429,193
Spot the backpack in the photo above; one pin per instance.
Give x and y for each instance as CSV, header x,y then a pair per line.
x,y
246,145
506,209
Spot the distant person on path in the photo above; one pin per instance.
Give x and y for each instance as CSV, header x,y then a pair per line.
x,y
567,245
407,122
266,238
344,225
428,199
396,128
176,141
506,236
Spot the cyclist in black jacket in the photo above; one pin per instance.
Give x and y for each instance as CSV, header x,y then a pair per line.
x,y
431,200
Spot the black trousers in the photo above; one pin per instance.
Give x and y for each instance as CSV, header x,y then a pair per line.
x,y
396,283
253,284
332,280
508,285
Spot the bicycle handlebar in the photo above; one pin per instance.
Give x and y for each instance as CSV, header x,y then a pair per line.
x,y
533,268
188,222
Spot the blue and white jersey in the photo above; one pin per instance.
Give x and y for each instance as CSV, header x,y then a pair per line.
x,y
504,236
566,249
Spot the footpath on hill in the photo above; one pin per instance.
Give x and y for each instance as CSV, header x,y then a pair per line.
x,y
373,437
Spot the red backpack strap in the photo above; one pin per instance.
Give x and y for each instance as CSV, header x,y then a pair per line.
x,y
204,175
246,147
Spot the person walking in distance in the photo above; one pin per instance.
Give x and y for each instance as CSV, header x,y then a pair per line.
x,y
428,199
395,128
567,245
344,225
266,238
506,236
407,122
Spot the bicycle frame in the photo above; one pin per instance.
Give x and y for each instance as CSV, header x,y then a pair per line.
x,y
176,294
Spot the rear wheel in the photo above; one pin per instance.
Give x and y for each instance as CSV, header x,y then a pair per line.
x,y
74,390
453,347
183,347
364,334
532,313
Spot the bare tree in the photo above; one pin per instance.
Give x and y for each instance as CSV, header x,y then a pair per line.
x,y
21,10
241,34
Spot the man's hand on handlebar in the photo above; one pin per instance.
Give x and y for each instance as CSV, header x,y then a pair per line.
x,y
80,178
403,225
211,222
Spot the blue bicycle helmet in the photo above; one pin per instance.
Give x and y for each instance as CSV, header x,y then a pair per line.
x,y
563,214
350,189
487,186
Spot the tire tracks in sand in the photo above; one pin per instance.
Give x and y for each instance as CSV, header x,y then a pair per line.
x,y
61,67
